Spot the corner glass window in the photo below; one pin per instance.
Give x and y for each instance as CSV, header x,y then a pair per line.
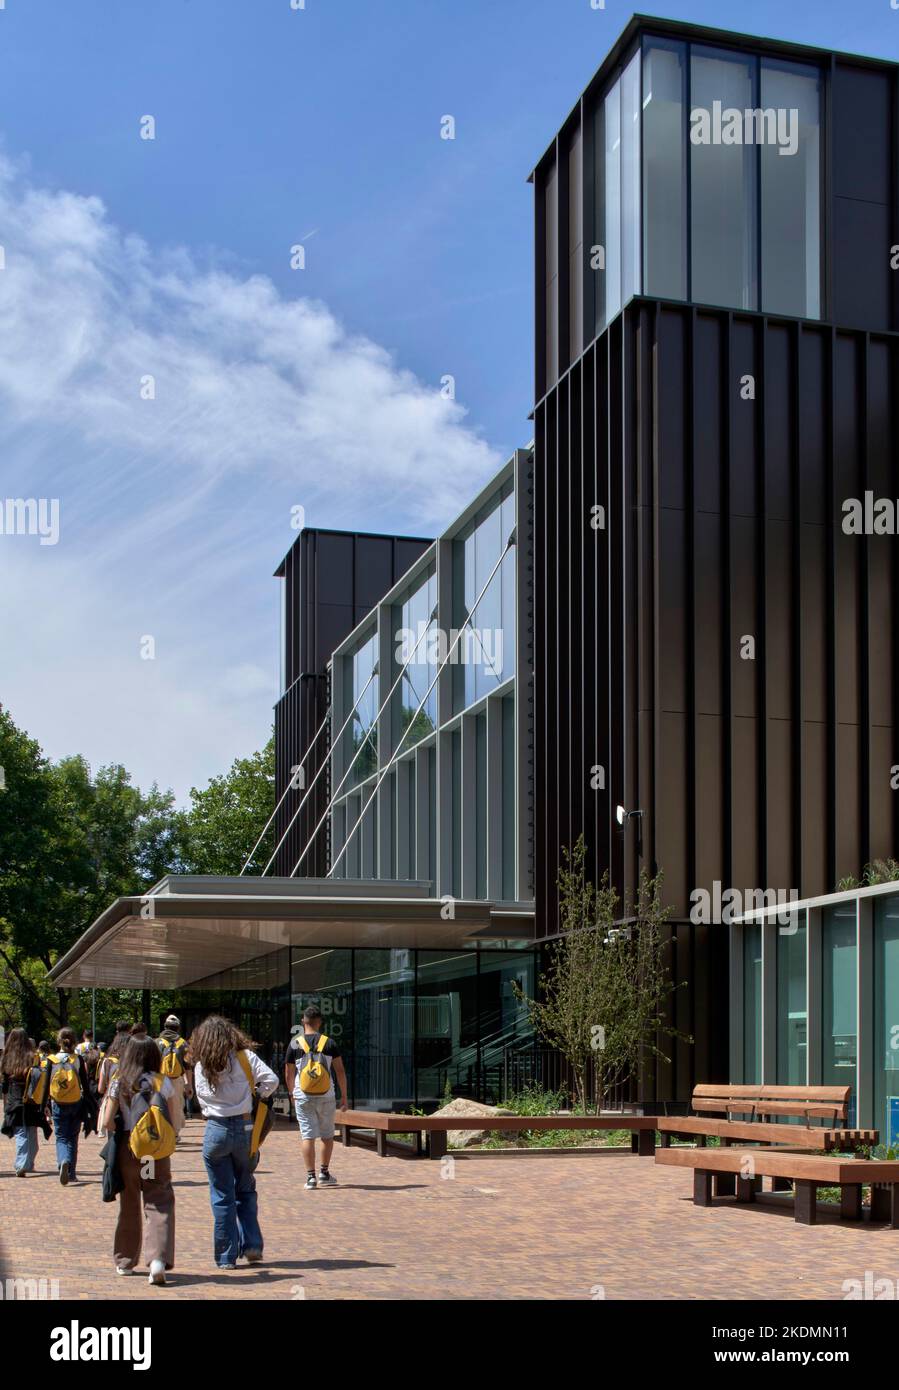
x,y
484,655
361,733
791,191
665,168
722,180
792,1015
414,645
752,1005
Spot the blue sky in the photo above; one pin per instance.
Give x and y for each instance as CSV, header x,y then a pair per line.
x,y
274,387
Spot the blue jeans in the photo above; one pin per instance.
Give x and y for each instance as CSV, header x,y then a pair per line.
x,y
26,1148
66,1127
232,1187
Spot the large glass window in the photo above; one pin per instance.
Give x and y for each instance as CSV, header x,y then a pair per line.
x,y
792,1014
446,1048
384,1029
791,191
839,1002
505,1028
886,1019
722,181
665,168
415,638
361,729
752,1005
485,654
617,195
325,977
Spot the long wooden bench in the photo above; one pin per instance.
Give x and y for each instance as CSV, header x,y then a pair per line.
x,y
760,1109
434,1128
805,1172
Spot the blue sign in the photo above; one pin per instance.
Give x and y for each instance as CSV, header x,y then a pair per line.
x,y
892,1137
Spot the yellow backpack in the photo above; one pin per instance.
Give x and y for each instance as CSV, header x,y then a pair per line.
x,y
152,1133
315,1077
65,1079
37,1084
263,1119
172,1057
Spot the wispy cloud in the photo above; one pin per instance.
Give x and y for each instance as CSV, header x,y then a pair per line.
x,y
178,412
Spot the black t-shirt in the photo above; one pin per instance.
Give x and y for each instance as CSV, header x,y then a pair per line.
x,y
296,1056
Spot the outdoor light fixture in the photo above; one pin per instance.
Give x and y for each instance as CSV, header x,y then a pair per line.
x,y
623,816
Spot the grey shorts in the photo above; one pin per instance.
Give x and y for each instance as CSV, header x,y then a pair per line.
x,y
316,1116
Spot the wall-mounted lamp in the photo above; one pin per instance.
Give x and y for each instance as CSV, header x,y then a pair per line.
x,y
622,816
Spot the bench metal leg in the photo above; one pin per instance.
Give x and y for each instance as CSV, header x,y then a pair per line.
x,y
633,1141
725,1184
436,1143
745,1190
381,1140
666,1141
702,1188
781,1185
851,1201
646,1142
885,1203
346,1136
419,1143
806,1208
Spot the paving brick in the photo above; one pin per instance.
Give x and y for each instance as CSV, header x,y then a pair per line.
x,y
507,1228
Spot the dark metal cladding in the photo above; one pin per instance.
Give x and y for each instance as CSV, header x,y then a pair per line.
x,y
332,580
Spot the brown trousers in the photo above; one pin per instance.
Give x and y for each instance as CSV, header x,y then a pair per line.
x,y
155,1228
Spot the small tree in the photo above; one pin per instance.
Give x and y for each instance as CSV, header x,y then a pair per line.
x,y
607,983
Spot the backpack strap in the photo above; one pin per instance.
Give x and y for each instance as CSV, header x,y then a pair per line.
x,y
301,1039
244,1061
322,1043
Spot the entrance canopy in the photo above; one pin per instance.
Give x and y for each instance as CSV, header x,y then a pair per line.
x,y
189,927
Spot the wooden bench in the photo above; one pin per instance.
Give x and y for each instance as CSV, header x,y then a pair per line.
x,y
434,1128
803,1171
761,1107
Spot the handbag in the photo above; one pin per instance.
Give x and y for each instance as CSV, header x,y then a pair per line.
x,y
112,1182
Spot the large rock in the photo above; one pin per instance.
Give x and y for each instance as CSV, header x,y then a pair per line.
x,y
462,1138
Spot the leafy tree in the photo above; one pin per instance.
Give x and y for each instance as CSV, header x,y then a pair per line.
x,y
603,996
226,818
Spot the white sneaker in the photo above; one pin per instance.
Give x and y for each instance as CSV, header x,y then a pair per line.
x,y
123,1269
157,1272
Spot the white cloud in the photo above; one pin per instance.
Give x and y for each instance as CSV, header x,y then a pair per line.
x,y
174,511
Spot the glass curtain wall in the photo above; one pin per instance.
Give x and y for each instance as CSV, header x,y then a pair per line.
x,y
617,195
752,1005
743,134
839,998
411,620
361,729
886,1019
485,654
792,1012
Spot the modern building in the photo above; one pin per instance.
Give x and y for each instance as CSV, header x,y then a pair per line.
x,y
716,321
653,628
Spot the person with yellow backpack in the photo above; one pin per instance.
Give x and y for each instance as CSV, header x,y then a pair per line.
x,y
173,1050
137,1114
23,1081
308,1073
232,1086
68,1089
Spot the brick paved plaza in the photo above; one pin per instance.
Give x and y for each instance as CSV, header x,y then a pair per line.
x,y
508,1227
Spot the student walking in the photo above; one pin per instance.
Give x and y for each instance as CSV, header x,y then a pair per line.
x,y
173,1049
68,1090
113,1055
143,1097
313,1060
224,1062
86,1044
24,1086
